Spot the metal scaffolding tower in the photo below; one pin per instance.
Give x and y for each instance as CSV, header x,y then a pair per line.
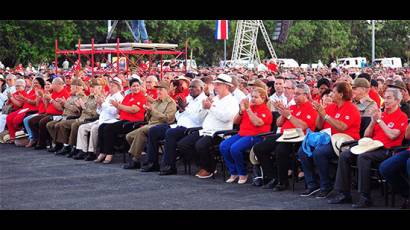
x,y
245,49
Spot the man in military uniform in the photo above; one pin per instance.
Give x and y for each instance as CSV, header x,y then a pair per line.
x,y
70,110
162,110
68,129
361,97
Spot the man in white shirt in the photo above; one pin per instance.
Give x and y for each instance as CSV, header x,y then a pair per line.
x,y
236,92
290,86
10,89
108,114
279,94
187,116
221,111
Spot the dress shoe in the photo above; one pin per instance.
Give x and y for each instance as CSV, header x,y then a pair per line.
x,y
168,170
242,179
340,198
150,167
280,187
73,152
131,164
203,174
80,156
56,148
90,157
39,147
363,202
271,184
32,143
64,150
258,181
108,159
232,179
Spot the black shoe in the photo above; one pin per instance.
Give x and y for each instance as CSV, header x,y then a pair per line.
x,y
56,148
405,205
323,193
257,181
150,167
168,170
340,198
90,157
363,203
80,156
280,187
64,150
132,164
73,152
310,191
40,147
271,184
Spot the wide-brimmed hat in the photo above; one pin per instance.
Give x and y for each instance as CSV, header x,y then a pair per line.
x,y
117,81
183,78
338,139
224,79
291,135
252,158
163,84
366,145
398,85
20,134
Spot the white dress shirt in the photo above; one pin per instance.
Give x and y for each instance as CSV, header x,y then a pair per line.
x,y
192,117
108,113
239,95
4,97
220,115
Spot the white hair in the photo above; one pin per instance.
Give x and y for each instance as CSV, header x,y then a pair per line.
x,y
396,93
21,82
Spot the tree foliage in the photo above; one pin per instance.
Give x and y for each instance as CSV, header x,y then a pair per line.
x,y
308,41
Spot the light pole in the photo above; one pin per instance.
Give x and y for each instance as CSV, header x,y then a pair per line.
x,y
108,31
373,41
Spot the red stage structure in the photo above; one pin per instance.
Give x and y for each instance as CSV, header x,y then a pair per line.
x,y
121,51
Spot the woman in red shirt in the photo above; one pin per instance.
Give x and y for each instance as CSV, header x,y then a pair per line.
x,y
130,110
254,118
15,119
342,116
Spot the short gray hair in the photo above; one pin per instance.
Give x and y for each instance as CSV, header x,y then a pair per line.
x,y
305,88
396,93
199,82
21,82
58,80
294,83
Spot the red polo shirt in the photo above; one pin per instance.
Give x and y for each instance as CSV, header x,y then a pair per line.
x,y
182,95
153,93
133,99
68,88
348,114
248,129
22,93
304,112
51,110
395,120
32,96
375,96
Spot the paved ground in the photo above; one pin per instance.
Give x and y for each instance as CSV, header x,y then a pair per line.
x,y
31,179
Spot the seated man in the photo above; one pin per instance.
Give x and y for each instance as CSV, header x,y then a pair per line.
x,y
160,111
221,111
387,127
361,97
187,116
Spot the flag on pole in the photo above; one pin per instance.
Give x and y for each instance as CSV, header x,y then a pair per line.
x,y
221,32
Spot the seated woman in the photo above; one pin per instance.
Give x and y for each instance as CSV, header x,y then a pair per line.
x,y
388,128
15,119
17,102
130,110
303,116
254,118
41,109
342,116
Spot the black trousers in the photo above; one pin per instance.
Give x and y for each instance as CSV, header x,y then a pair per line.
x,y
274,157
364,162
194,145
107,135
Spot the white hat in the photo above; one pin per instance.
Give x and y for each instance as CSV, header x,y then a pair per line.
x,y
182,77
365,145
224,79
1,77
252,158
337,140
291,135
20,134
117,80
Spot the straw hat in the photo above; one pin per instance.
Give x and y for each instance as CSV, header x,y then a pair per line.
x,y
366,145
224,79
252,158
291,135
337,140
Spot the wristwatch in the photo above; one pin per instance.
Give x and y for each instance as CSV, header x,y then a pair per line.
x,y
289,116
378,121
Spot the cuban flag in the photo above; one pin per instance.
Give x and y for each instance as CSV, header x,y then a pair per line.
x,y
221,32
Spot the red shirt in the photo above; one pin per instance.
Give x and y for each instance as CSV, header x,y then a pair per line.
x,y
32,96
348,114
182,95
304,112
395,120
51,110
68,88
375,96
248,129
153,93
106,88
272,67
133,99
